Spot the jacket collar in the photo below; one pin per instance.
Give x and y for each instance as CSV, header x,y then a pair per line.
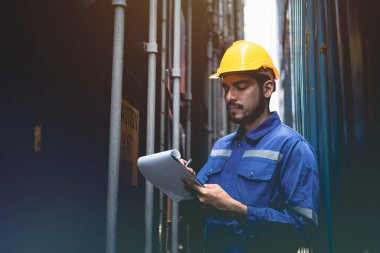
x,y
259,131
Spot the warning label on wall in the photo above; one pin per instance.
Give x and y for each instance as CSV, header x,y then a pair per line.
x,y
129,142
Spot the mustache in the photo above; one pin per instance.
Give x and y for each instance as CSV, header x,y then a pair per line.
x,y
234,105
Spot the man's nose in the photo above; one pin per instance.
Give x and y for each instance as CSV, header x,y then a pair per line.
x,y
230,95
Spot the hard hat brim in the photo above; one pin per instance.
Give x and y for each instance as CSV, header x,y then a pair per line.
x,y
214,76
218,76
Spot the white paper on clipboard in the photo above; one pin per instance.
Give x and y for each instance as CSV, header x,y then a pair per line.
x,y
165,172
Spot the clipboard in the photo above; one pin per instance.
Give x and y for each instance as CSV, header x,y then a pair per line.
x,y
165,171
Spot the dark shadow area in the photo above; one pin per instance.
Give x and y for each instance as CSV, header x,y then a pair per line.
x,y
55,72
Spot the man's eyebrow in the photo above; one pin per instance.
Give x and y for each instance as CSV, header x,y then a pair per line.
x,y
236,82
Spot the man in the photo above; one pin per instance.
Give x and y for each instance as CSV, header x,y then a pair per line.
x,y
261,184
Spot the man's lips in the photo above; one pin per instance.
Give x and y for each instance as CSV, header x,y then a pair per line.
x,y
234,107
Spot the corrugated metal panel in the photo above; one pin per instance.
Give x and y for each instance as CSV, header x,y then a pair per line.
x,y
330,81
324,151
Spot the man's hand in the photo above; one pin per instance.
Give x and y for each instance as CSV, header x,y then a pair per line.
x,y
212,195
189,169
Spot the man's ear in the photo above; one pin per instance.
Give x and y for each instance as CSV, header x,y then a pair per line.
x,y
268,88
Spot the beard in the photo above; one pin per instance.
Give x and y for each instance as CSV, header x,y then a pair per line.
x,y
249,115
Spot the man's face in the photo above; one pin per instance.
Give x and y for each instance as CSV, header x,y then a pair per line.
x,y
245,100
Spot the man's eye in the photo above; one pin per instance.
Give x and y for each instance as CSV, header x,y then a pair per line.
x,y
241,87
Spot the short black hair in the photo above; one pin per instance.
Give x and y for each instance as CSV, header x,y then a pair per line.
x,y
262,78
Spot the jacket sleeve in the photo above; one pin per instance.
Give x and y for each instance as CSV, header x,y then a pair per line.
x,y
299,184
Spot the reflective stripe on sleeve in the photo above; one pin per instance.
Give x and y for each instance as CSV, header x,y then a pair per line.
x,y
262,153
221,152
306,212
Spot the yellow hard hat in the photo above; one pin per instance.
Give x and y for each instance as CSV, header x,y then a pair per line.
x,y
243,56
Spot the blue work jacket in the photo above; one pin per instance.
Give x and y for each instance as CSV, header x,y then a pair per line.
x,y
272,170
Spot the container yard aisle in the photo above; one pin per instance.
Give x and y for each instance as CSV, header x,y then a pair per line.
x,y
55,96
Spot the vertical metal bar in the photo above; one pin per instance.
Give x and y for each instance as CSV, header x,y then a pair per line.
x,y
208,87
335,98
225,27
341,72
163,75
324,154
115,120
302,64
226,35
296,108
170,36
223,112
231,20
220,19
357,87
169,132
295,59
214,109
188,98
176,107
292,62
189,84
239,19
296,64
209,92
151,48
230,126
344,75
311,77
174,246
216,34
299,64
176,73
162,119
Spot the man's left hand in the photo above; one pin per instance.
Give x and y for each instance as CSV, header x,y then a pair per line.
x,y
212,195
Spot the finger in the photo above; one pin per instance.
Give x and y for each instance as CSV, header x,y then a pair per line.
x,y
186,181
182,161
189,182
211,186
191,171
203,201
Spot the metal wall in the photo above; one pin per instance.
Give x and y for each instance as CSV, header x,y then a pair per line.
x,y
328,67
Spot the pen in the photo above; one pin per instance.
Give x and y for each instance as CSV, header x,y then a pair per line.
x,y
188,162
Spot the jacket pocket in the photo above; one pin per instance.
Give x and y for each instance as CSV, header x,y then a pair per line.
x,y
255,182
256,169
215,166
